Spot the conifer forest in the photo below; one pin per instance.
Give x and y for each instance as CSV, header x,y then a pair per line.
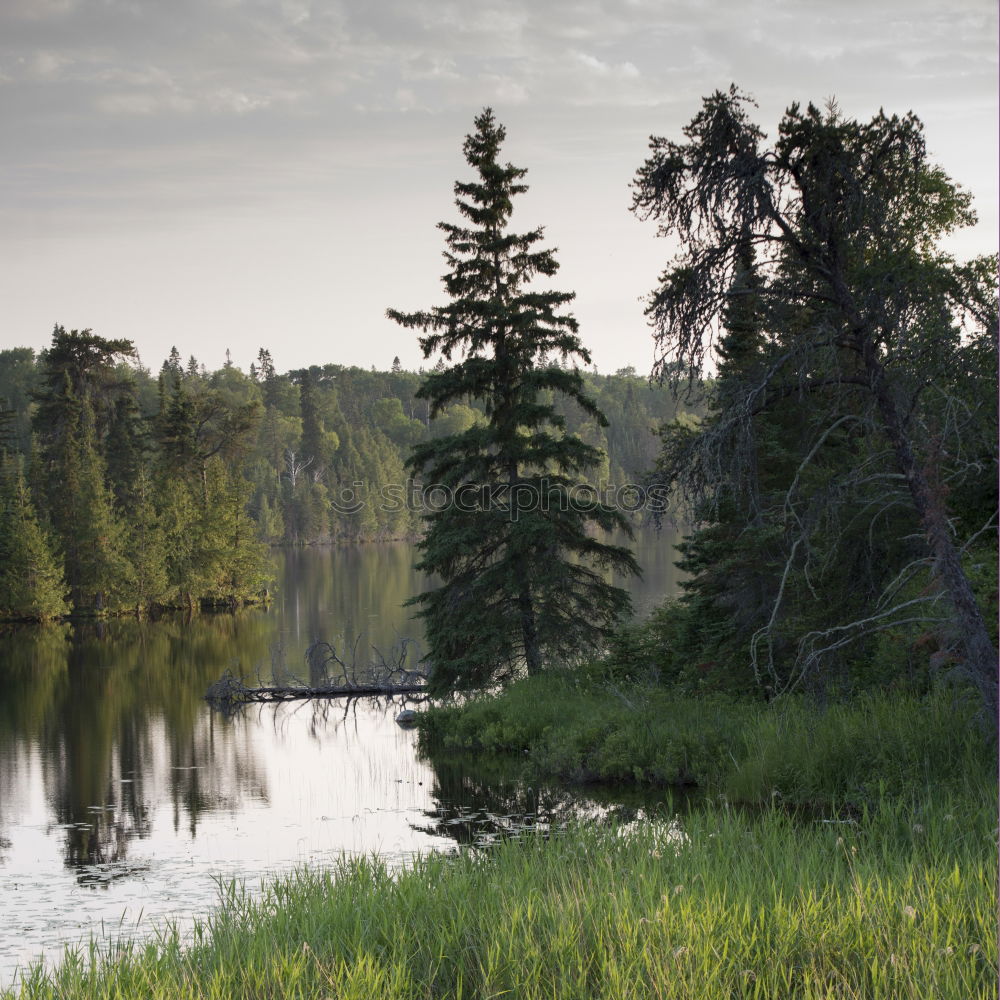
x,y
821,415
130,490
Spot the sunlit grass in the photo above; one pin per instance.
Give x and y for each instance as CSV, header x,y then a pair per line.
x,y
899,904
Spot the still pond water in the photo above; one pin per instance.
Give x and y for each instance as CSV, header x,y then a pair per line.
x,y
124,798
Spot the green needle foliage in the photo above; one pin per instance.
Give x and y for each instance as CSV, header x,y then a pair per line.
x,y
513,540
31,580
155,491
837,488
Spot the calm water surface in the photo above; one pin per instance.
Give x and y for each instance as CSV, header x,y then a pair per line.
x,y
124,799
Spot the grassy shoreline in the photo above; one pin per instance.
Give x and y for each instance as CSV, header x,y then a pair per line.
x,y
901,903
894,897
846,754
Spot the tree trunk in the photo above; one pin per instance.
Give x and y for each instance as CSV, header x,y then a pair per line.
x,y
980,656
529,632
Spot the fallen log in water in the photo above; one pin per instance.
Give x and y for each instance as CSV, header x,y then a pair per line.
x,y
383,677
230,691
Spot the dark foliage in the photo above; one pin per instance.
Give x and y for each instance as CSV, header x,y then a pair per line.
x,y
523,572
849,429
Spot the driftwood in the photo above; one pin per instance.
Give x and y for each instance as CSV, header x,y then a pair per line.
x,y
329,677
232,690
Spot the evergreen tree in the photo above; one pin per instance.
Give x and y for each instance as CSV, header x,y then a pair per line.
x,y
84,402
729,472
318,443
87,364
127,445
230,557
18,381
180,522
202,417
88,528
8,444
868,311
361,423
267,376
145,545
515,549
173,364
177,425
31,580
270,523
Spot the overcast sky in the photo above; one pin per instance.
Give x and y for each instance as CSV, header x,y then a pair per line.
x,y
217,174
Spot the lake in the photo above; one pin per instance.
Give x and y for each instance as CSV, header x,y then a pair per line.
x,y
124,799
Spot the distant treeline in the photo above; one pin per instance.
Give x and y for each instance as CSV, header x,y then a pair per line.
x,y
125,490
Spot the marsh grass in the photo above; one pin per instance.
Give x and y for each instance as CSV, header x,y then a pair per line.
x,y
853,752
899,904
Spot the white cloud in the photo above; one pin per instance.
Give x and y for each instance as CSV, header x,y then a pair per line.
x,y
625,70
593,64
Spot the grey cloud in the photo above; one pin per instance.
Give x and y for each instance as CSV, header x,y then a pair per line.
x,y
133,116
96,74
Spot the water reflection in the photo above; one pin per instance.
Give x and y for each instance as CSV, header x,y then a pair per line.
x,y
352,595
106,710
122,794
477,803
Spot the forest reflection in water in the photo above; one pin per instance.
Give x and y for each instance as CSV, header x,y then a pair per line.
x,y
122,794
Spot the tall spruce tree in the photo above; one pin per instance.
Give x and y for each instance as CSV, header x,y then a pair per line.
x,y
8,444
726,558
514,544
145,546
89,530
79,390
89,366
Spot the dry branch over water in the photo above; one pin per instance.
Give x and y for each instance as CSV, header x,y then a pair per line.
x,y
330,677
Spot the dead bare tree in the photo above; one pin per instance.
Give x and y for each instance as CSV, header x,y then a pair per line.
x,y
295,466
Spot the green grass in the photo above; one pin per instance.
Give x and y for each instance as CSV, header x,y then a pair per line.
x,y
853,752
900,904
893,895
